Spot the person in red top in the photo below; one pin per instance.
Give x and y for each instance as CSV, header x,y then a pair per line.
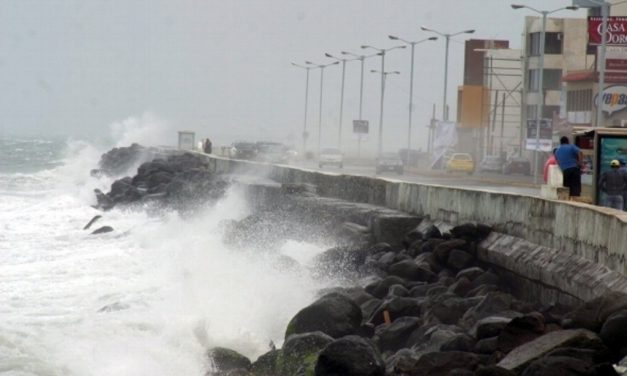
x,y
549,162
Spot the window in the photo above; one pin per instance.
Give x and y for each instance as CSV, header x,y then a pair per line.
x,y
579,100
551,79
552,44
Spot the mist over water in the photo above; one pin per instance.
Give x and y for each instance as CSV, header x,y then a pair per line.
x,y
147,299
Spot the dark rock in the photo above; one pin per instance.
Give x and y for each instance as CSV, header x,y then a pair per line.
x,y
441,363
520,357
340,259
450,310
333,314
493,371
397,307
460,342
442,250
301,350
91,222
487,278
461,287
379,289
409,270
427,260
486,345
397,290
430,244
490,326
614,330
392,337
520,330
461,372
225,360
368,308
400,361
102,230
491,304
421,290
559,365
458,259
592,314
432,232
267,364
482,290
591,356
350,356
411,237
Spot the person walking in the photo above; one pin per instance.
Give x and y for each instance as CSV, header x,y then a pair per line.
x,y
207,146
570,159
613,183
623,168
551,161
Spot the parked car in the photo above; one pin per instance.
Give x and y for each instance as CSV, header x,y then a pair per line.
x,y
491,163
460,162
272,152
389,162
243,150
331,157
517,165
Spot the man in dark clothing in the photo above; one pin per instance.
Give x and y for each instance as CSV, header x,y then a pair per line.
x,y
570,159
612,183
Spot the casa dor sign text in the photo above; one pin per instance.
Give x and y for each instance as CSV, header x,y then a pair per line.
x,y
616,31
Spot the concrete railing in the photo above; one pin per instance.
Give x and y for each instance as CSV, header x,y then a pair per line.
x,y
591,232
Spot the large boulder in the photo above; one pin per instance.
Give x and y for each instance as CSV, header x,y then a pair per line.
x,y
396,307
614,330
333,314
592,314
442,363
522,356
350,356
392,337
225,360
560,365
300,352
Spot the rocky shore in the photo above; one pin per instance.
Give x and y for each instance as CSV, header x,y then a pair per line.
x,y
429,307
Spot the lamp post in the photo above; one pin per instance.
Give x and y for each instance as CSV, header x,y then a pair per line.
x,y
339,132
447,37
411,81
540,107
382,52
305,135
384,76
321,66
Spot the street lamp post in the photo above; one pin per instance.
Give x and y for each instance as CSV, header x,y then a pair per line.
x,y
361,58
540,106
384,75
382,52
411,81
447,37
339,133
321,66
305,135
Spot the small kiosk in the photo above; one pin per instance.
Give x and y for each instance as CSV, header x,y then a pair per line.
x,y
187,140
599,146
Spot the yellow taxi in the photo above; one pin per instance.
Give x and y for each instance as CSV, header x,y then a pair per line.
x,y
460,162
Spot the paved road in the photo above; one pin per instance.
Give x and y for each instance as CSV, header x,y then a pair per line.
x,y
517,184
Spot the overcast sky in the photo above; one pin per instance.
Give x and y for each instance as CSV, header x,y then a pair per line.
x,y
223,68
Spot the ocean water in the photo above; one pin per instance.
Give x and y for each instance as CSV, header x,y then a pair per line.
x,y
147,299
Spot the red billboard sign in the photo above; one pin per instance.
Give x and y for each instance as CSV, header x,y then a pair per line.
x,y
616,31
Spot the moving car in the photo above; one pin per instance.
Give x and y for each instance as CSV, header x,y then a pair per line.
x,y
272,152
517,165
491,163
331,157
243,150
460,162
389,162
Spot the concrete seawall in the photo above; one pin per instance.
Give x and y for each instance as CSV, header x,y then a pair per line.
x,y
577,248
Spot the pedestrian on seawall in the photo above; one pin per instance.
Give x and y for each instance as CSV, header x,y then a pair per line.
x,y
570,159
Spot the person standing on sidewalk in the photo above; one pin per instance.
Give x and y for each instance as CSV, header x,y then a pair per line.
x,y
623,168
613,183
549,162
570,159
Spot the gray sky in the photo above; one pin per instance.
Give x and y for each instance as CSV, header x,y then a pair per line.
x,y
222,68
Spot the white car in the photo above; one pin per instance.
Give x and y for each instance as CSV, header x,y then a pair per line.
x,y
331,157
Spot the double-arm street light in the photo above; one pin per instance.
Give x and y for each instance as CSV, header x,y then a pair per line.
x,y
339,134
382,52
540,106
447,37
305,135
321,66
411,80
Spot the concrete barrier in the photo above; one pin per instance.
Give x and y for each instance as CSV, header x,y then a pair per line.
x,y
594,233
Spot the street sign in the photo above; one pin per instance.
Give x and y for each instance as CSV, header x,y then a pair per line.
x,y
186,140
546,135
360,126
